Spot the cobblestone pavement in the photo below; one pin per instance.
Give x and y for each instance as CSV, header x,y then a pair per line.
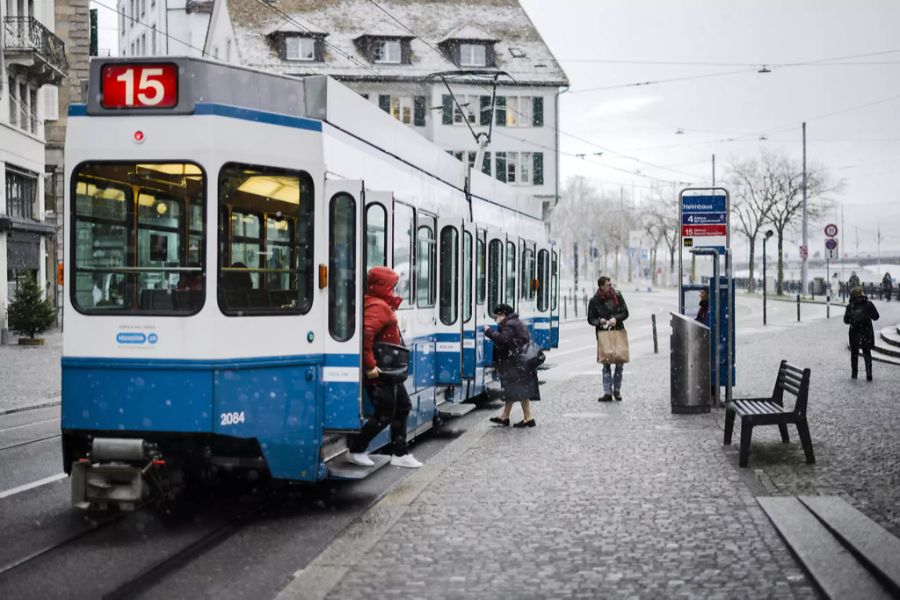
x,y
628,500
855,425
30,375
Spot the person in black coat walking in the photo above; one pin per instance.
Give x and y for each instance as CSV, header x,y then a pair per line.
x,y
607,310
519,383
859,316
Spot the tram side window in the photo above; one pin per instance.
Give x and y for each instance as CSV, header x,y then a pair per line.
x,y
342,267
376,236
542,295
425,262
265,241
554,281
449,305
532,291
467,276
527,274
511,274
404,225
480,271
138,238
494,273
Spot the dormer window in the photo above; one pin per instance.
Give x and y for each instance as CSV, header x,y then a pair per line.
x,y
386,52
300,48
472,55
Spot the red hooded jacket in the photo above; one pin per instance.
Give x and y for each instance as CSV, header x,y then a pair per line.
x,y
379,320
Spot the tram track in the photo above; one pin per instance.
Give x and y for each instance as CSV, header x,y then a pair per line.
x,y
29,442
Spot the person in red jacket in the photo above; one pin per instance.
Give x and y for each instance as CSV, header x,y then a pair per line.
x,y
391,402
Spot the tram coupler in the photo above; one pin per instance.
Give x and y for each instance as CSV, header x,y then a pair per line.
x,y
114,473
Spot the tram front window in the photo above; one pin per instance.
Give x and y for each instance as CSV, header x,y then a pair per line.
x,y
138,236
265,240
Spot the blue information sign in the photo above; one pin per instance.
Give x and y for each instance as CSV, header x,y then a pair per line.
x,y
703,204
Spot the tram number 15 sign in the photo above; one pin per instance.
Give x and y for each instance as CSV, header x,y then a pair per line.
x,y
139,86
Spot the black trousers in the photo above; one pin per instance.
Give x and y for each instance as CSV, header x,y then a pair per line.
x,y
392,406
854,358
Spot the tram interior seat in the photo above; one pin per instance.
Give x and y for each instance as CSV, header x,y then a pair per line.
x,y
258,299
157,300
188,300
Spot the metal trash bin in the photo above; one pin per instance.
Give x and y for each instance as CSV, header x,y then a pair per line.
x,y
689,365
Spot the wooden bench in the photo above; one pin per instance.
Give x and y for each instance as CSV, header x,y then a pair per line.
x,y
770,411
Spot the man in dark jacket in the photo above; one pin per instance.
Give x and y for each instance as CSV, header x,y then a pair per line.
x,y
390,400
607,310
887,286
859,316
519,383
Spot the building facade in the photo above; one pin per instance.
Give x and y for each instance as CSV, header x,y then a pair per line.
x,y
32,62
161,27
394,66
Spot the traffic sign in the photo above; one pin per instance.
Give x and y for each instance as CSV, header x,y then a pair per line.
x,y
831,244
831,230
804,251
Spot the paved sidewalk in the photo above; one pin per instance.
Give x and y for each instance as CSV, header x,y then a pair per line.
x,y
30,375
625,499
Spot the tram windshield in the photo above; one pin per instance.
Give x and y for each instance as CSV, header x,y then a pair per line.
x,y
138,238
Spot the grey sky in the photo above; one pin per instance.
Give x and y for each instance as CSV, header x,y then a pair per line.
x,y
861,146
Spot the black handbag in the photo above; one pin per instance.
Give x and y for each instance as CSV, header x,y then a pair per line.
x,y
392,360
531,356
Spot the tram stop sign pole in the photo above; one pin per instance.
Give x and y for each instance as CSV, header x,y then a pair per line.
x,y
704,224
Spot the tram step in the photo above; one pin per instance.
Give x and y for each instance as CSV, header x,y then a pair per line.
x,y
341,468
833,568
449,410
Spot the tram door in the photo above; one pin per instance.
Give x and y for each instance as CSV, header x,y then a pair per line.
x,y
448,342
496,252
469,319
541,287
342,280
554,298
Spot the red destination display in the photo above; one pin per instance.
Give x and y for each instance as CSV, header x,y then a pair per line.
x,y
139,86
702,230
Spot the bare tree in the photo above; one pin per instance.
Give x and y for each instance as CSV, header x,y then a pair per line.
x,y
788,205
754,187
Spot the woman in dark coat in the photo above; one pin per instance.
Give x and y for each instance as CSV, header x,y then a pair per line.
x,y
859,316
887,285
607,310
518,382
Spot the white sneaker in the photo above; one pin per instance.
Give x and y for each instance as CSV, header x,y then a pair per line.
x,y
360,458
407,460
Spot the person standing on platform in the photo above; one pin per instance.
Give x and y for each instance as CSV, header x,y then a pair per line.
x,y
390,400
607,312
887,286
859,316
703,311
519,383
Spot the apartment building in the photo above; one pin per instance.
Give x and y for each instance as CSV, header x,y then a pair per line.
x,y
161,27
32,62
389,54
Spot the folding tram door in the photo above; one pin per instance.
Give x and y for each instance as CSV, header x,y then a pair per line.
x,y
473,249
494,289
541,286
342,370
554,297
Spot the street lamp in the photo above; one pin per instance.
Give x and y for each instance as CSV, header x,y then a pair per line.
x,y
769,233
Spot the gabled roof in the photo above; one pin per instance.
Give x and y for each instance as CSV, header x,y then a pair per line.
x,y
429,23
294,25
469,32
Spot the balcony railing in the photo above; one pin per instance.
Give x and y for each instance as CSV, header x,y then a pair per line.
x,y
26,35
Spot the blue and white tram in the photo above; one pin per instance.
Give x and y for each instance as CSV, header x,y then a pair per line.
x,y
220,222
